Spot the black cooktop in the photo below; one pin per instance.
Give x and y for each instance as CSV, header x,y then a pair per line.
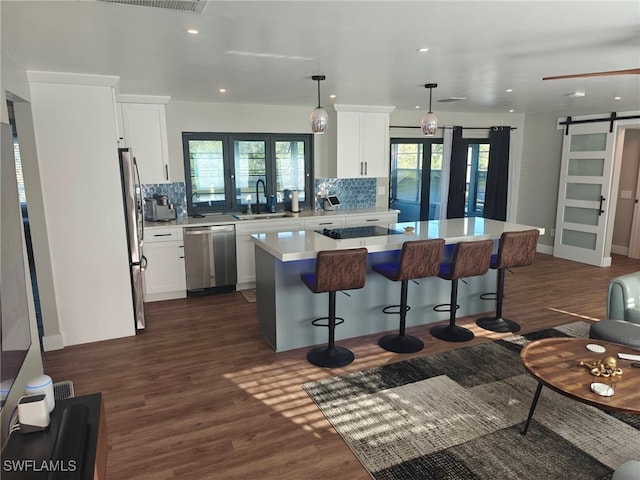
x,y
357,232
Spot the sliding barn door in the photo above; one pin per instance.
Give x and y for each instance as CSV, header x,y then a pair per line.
x,y
583,194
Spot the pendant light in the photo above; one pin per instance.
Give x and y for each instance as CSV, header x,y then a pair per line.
x,y
319,117
430,121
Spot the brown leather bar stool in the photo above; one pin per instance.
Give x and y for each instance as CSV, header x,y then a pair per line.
x,y
418,259
516,249
335,270
470,259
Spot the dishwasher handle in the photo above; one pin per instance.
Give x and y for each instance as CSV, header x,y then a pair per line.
x,y
209,229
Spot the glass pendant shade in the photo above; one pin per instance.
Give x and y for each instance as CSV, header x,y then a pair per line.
x,y
429,124
319,120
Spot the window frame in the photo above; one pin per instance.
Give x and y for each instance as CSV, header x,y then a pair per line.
x,y
228,141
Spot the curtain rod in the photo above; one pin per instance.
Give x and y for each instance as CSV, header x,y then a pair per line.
x,y
464,128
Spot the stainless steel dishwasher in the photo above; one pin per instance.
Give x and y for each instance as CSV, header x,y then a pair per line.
x,y
210,258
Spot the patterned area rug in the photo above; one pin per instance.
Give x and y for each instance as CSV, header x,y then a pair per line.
x,y
459,414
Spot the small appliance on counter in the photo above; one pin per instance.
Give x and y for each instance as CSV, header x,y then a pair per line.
x,y
330,203
158,209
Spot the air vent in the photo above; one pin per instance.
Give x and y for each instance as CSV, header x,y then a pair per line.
x,y
451,99
194,6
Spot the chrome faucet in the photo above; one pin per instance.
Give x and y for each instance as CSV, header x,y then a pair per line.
x,y
264,192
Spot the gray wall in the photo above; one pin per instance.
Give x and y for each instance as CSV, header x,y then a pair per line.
x,y
540,173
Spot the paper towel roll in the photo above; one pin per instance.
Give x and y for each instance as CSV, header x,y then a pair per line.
x,y
294,202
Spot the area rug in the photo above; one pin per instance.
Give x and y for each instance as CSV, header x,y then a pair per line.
x,y
249,295
459,414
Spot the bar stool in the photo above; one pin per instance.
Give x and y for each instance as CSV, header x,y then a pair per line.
x,y
470,259
418,259
335,270
516,249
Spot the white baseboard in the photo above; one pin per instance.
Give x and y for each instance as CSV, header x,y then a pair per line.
x,y
546,249
620,250
52,342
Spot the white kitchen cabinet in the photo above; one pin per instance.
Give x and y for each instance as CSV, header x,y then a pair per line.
x,y
164,276
323,222
371,219
144,130
361,141
245,251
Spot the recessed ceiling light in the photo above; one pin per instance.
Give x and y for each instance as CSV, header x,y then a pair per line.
x,y
333,95
617,98
423,50
509,90
223,90
578,93
511,110
192,31
417,106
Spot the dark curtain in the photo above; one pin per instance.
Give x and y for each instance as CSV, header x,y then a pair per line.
x,y
495,201
457,176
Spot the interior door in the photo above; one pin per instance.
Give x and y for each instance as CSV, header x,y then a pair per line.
x,y
583,194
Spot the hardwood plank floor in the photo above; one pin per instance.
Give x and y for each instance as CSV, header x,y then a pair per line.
x,y
200,394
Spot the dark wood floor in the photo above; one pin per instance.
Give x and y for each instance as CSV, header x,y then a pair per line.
x,y
200,395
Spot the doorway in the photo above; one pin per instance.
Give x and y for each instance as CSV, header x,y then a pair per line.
x,y
415,180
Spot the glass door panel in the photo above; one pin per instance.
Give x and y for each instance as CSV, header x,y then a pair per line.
x,y
207,172
415,182
584,191
586,167
583,216
249,157
290,169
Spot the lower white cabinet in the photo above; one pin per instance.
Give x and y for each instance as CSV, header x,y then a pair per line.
x,y
164,276
245,250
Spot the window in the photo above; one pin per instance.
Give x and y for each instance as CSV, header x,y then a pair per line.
x,y
416,169
476,178
222,170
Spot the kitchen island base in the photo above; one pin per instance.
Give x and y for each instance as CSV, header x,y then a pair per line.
x,y
286,307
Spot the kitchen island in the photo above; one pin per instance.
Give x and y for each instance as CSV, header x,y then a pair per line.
x,y
286,306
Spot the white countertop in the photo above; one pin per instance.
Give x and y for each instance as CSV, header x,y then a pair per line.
x,y
300,245
226,218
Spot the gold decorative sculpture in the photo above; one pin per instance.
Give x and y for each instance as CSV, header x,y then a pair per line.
x,y
607,367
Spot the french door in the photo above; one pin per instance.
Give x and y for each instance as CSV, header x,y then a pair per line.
x,y
583,194
416,170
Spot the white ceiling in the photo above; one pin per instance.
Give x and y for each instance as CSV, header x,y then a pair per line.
x,y
264,52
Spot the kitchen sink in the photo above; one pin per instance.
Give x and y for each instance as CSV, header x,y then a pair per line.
x,y
259,216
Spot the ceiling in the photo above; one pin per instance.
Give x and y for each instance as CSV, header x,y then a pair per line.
x,y
264,52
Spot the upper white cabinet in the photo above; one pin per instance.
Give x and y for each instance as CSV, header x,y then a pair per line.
x,y
358,142
144,130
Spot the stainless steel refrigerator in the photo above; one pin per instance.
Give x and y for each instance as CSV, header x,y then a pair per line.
x,y
133,205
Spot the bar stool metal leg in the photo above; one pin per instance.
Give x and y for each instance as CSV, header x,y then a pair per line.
x,y
498,323
331,356
452,332
400,342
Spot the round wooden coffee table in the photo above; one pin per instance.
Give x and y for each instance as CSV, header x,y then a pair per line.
x,y
554,363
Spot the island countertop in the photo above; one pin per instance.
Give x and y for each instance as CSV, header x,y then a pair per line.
x,y
301,245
